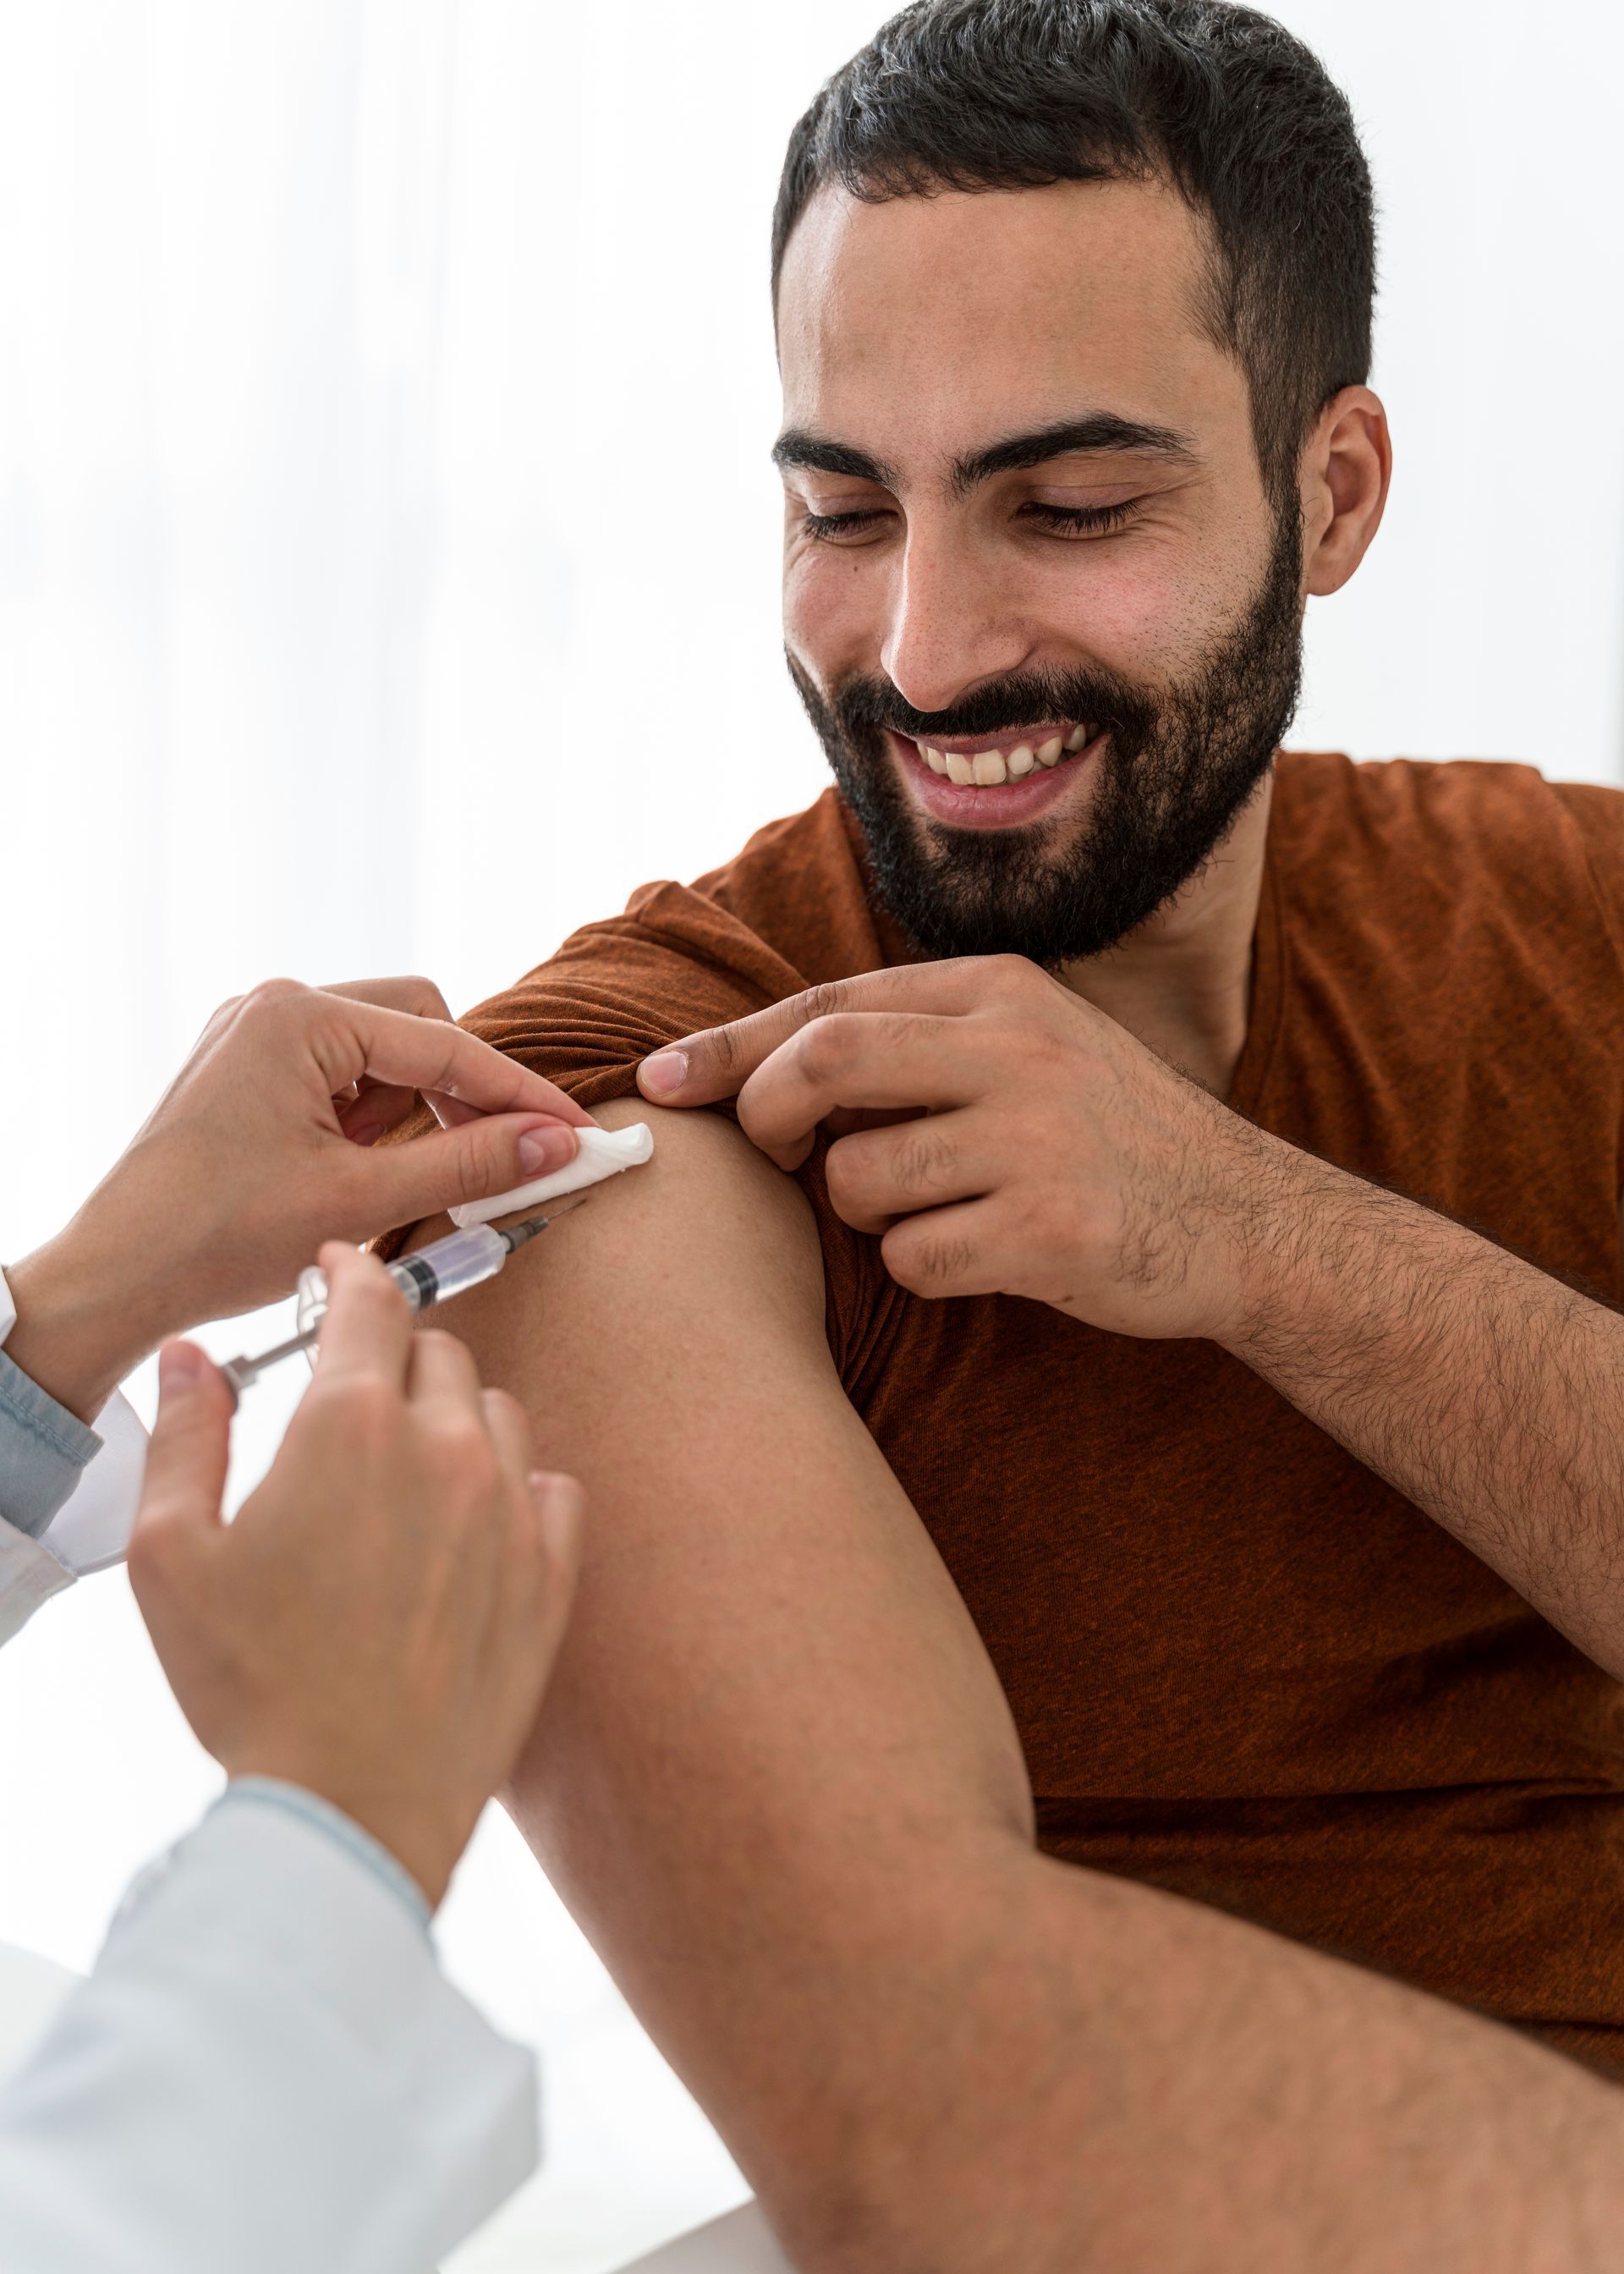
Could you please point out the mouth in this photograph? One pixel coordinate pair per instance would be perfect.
(973, 783)
(988, 766)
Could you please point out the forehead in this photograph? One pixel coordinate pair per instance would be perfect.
(915, 326)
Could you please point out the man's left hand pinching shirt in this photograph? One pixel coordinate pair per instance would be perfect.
(1034, 1148)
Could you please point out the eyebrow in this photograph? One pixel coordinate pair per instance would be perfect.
(1102, 433)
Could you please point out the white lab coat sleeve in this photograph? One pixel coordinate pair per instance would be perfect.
(29, 1576)
(267, 2072)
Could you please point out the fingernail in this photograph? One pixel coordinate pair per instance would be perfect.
(180, 1366)
(544, 1149)
(665, 1071)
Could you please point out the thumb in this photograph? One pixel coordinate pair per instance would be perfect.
(472, 1162)
(187, 1461)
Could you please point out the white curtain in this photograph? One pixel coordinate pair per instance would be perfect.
(387, 582)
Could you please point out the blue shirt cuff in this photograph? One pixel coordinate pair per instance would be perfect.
(44, 1450)
(310, 1808)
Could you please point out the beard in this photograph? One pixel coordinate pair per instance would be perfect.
(1181, 764)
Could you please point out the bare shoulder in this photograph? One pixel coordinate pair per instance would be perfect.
(683, 1264)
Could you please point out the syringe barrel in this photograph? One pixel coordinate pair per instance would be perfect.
(445, 1267)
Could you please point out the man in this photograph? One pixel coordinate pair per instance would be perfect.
(266, 2068)
(1153, 1667)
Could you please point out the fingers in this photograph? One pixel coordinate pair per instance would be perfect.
(509, 1429)
(440, 1371)
(560, 1507)
(187, 1458)
(367, 1333)
(881, 1174)
(397, 1048)
(418, 996)
(852, 1060)
(947, 1250)
(446, 1167)
(718, 1063)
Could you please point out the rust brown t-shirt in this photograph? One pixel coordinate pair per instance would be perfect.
(1242, 1666)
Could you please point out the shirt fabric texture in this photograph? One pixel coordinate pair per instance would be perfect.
(1242, 1666)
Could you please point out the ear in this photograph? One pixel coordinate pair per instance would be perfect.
(1345, 469)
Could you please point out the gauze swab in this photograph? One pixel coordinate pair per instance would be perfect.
(599, 1153)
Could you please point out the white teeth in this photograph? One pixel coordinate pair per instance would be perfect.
(986, 769)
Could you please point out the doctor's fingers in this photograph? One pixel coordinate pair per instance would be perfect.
(865, 1059)
(365, 1335)
(413, 993)
(531, 1605)
(184, 1481)
(381, 1186)
(358, 1040)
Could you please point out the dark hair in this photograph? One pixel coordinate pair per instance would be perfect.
(1217, 99)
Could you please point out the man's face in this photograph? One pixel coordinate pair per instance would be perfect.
(1040, 609)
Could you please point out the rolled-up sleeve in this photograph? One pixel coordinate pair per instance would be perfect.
(44, 1451)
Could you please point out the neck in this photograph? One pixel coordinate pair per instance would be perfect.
(1182, 982)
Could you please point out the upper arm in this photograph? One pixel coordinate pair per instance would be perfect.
(773, 1727)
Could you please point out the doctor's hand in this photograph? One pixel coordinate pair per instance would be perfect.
(262, 1149)
(1031, 1145)
(379, 1623)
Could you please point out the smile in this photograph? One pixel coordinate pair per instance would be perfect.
(987, 767)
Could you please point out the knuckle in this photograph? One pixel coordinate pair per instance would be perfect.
(504, 1407)
(824, 1047)
(364, 1410)
(924, 1163)
(719, 1048)
(459, 1453)
(826, 1000)
(272, 997)
(480, 1166)
(930, 1263)
(1010, 976)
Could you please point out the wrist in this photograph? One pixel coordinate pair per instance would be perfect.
(422, 1840)
(78, 1332)
(1256, 1239)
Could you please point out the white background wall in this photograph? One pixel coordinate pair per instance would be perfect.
(387, 582)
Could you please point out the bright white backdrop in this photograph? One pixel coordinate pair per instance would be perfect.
(388, 559)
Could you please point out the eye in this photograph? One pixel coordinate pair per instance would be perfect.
(832, 528)
(1082, 520)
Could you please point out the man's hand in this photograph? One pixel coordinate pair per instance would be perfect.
(379, 1623)
(1050, 1155)
(261, 1150)
(1047, 1152)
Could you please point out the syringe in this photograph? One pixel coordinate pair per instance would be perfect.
(445, 1267)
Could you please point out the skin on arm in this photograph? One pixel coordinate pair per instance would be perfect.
(776, 1781)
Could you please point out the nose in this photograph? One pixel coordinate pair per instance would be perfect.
(953, 625)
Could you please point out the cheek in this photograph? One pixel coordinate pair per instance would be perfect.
(1147, 609)
(834, 605)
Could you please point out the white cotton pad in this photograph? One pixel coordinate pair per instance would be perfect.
(600, 1153)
